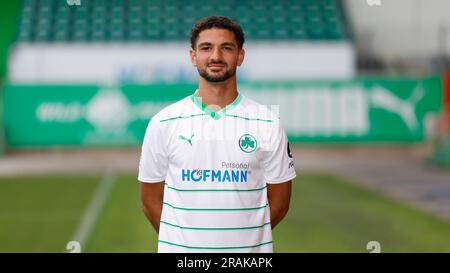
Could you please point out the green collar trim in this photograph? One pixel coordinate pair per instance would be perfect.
(215, 115)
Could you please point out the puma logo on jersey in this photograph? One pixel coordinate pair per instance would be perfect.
(189, 140)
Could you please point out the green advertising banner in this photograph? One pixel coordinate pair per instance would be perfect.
(381, 110)
(323, 111)
(48, 115)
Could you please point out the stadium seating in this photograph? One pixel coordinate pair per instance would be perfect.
(171, 20)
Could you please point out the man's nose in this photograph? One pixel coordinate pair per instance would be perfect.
(216, 55)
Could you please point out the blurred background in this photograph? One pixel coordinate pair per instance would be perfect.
(363, 89)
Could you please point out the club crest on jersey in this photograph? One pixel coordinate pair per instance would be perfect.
(248, 143)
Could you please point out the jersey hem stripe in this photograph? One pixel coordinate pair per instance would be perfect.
(209, 209)
(209, 190)
(201, 228)
(217, 248)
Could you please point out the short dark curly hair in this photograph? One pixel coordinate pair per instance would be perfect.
(220, 22)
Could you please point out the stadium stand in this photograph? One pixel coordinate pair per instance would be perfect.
(162, 20)
(113, 38)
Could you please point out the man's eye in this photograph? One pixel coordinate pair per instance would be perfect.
(227, 48)
(205, 48)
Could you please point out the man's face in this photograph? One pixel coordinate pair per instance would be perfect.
(217, 55)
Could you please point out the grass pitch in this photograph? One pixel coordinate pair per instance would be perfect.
(327, 214)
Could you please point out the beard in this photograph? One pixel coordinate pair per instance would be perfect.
(216, 78)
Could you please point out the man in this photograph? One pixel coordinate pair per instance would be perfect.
(215, 167)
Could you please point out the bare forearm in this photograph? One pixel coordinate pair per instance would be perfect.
(152, 202)
(153, 214)
(276, 215)
(279, 196)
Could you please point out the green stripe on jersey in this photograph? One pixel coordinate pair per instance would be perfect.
(181, 117)
(203, 209)
(200, 228)
(217, 248)
(256, 119)
(209, 190)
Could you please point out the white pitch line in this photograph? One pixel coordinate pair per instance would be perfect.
(92, 212)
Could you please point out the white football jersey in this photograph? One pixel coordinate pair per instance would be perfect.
(216, 167)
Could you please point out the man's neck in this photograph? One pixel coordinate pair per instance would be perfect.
(217, 95)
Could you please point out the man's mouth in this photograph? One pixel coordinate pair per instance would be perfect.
(216, 65)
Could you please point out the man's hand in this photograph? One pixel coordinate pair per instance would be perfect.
(152, 202)
(279, 196)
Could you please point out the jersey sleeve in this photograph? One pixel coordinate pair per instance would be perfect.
(278, 162)
(154, 159)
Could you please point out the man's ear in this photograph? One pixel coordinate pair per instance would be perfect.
(193, 56)
(241, 57)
